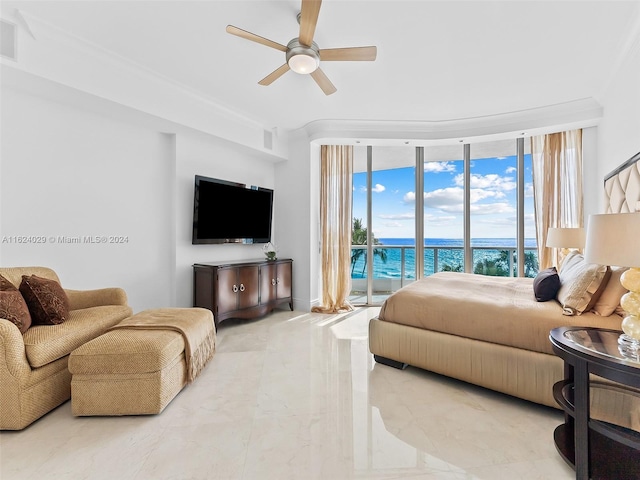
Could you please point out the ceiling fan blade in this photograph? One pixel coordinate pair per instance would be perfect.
(276, 74)
(351, 53)
(255, 38)
(323, 82)
(308, 20)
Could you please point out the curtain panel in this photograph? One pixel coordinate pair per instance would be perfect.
(336, 182)
(557, 188)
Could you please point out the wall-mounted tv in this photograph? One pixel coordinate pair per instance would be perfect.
(229, 212)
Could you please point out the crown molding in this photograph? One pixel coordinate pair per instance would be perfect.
(44, 29)
(579, 113)
(23, 21)
(59, 56)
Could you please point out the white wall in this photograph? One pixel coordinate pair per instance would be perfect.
(619, 131)
(106, 170)
(72, 173)
(592, 182)
(297, 216)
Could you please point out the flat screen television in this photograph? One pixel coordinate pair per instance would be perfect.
(229, 212)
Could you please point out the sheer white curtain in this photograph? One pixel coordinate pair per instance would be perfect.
(557, 188)
(336, 181)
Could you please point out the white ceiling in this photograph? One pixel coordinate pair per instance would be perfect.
(437, 60)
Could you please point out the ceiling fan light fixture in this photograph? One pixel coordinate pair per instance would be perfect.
(302, 59)
(303, 63)
(302, 53)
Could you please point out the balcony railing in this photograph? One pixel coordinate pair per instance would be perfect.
(399, 267)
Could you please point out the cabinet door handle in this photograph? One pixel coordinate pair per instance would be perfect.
(235, 289)
(278, 281)
(273, 281)
(242, 287)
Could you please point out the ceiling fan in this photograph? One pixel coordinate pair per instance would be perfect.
(302, 54)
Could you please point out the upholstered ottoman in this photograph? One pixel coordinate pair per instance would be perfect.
(141, 364)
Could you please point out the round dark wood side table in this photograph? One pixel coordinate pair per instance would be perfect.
(596, 449)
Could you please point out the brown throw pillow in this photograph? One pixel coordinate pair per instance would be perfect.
(546, 284)
(13, 306)
(47, 301)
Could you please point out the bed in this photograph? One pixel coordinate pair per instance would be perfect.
(491, 331)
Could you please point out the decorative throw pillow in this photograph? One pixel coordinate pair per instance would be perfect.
(47, 301)
(13, 306)
(581, 283)
(609, 300)
(546, 284)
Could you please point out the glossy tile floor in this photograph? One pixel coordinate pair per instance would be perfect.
(298, 396)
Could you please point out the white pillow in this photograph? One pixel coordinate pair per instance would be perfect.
(581, 283)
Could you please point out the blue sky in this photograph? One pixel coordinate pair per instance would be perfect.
(493, 199)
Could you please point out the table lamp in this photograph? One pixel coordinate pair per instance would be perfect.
(614, 239)
(565, 239)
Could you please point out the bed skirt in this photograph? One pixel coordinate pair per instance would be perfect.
(514, 371)
(521, 373)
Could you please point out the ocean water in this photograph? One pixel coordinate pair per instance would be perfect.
(438, 253)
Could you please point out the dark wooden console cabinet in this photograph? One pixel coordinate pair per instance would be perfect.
(246, 289)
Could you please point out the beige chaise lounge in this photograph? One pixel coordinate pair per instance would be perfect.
(33, 366)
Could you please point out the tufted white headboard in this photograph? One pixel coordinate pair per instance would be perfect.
(622, 187)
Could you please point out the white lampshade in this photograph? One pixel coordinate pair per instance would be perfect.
(614, 239)
(565, 237)
(302, 63)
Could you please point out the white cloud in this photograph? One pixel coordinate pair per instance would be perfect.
(438, 167)
(398, 216)
(511, 170)
(491, 208)
(447, 199)
(409, 197)
(450, 199)
(491, 181)
(478, 194)
(528, 189)
(377, 188)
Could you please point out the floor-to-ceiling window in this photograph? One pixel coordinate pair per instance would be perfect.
(384, 218)
(493, 207)
(443, 234)
(474, 214)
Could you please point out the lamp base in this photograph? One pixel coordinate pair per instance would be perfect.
(629, 347)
